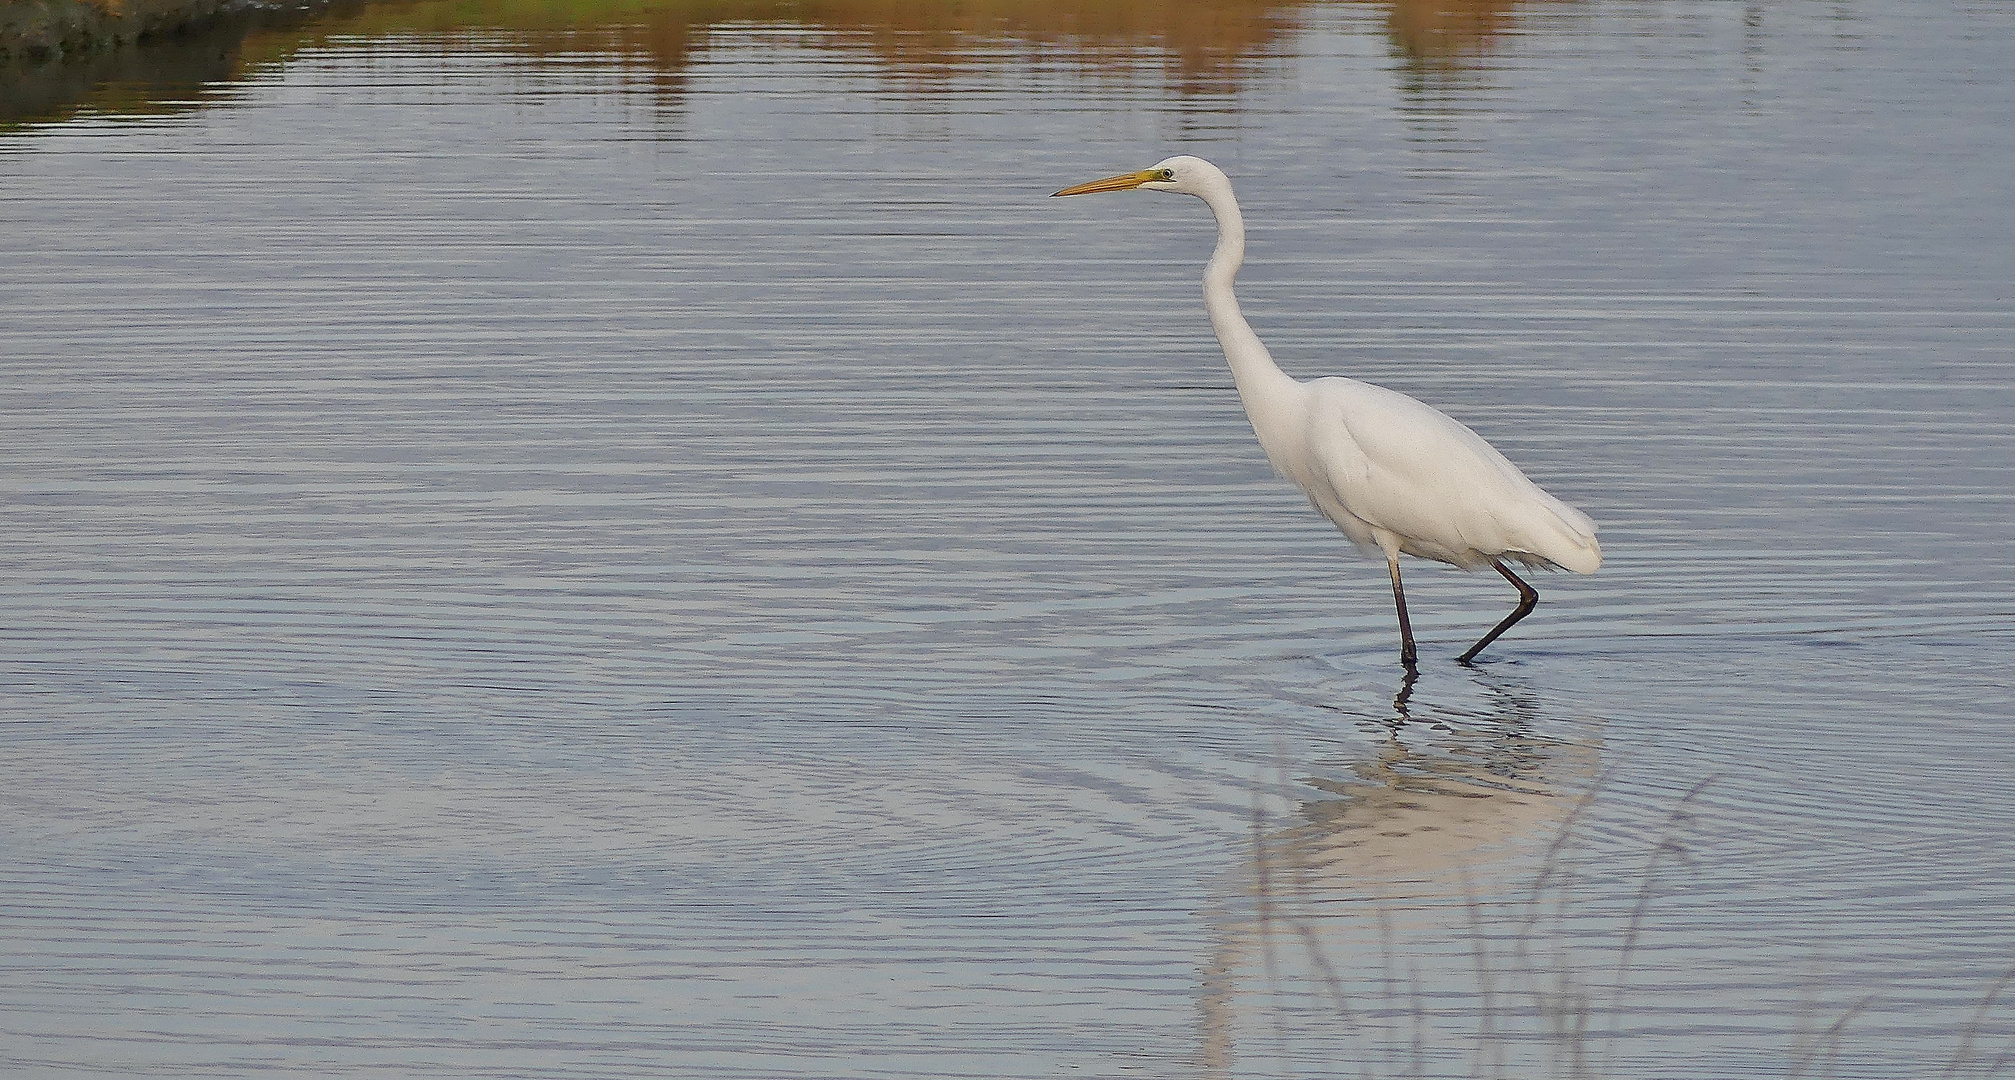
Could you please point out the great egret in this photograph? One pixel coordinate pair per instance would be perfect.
(1398, 477)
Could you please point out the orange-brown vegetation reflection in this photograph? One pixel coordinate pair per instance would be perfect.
(1205, 44)
(1208, 47)
(1209, 42)
(1449, 32)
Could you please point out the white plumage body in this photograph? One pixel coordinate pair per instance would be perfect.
(1401, 477)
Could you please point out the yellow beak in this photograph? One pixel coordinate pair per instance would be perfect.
(1123, 182)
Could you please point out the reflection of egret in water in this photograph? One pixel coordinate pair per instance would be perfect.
(1445, 791)
(1452, 805)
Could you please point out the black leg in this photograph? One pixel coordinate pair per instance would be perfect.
(1528, 598)
(1406, 654)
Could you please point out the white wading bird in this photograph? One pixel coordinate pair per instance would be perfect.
(1395, 475)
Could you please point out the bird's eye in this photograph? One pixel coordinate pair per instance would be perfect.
(1168, 174)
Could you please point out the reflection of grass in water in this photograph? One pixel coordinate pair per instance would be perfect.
(1534, 1015)
(1213, 39)
(1204, 47)
(1207, 47)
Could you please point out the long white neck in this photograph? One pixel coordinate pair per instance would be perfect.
(1262, 386)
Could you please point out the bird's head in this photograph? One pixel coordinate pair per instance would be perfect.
(1183, 175)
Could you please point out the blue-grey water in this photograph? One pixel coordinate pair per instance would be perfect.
(654, 549)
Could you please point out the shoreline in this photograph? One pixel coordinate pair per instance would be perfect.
(43, 31)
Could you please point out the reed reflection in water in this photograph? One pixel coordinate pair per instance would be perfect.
(1206, 49)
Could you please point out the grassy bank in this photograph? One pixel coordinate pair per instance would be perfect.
(38, 30)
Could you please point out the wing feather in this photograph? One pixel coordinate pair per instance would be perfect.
(1410, 470)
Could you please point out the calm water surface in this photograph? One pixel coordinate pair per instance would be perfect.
(539, 545)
